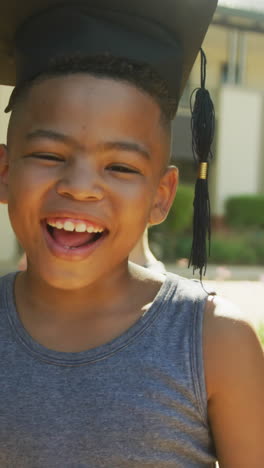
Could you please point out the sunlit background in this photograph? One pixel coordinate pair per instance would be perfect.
(246, 4)
(234, 47)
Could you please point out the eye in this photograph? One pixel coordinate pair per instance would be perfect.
(45, 156)
(123, 169)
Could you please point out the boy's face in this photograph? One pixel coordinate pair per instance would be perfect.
(86, 154)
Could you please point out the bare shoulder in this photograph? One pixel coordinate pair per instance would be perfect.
(234, 371)
(229, 339)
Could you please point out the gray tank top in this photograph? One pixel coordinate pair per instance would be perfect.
(138, 401)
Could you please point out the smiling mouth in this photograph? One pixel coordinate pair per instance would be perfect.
(69, 238)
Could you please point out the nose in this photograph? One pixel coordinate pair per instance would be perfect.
(81, 181)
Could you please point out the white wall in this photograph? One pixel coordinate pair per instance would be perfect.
(7, 237)
(239, 145)
(4, 118)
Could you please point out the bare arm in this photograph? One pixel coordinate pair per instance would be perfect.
(234, 368)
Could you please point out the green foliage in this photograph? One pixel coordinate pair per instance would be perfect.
(243, 245)
(245, 211)
(164, 237)
(234, 250)
(181, 214)
(230, 248)
(261, 333)
(256, 240)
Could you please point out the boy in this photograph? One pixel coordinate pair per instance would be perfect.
(103, 363)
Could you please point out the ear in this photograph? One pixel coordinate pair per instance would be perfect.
(165, 195)
(4, 166)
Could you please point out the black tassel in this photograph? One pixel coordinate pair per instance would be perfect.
(203, 126)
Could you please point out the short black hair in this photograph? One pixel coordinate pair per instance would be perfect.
(140, 75)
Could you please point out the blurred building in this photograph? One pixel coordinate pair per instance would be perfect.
(8, 244)
(235, 77)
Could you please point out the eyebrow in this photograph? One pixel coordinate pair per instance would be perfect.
(51, 135)
(130, 146)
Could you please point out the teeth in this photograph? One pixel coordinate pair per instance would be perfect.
(50, 223)
(69, 226)
(79, 227)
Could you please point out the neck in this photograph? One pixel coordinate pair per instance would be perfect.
(37, 295)
(141, 253)
(74, 321)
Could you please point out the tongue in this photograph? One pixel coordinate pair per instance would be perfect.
(72, 239)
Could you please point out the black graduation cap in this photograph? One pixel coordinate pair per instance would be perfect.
(166, 34)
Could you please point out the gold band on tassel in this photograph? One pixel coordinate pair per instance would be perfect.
(203, 171)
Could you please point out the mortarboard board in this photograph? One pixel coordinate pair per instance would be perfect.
(167, 35)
